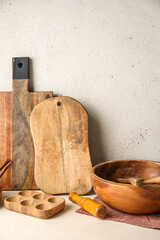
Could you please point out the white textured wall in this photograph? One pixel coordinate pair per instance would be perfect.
(104, 53)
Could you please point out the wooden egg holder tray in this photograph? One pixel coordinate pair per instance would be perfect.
(36, 204)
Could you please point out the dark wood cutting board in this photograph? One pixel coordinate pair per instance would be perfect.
(15, 135)
(59, 128)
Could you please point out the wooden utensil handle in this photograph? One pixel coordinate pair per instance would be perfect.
(137, 182)
(94, 208)
(5, 166)
(152, 180)
(123, 180)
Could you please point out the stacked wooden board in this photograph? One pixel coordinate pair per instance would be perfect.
(15, 135)
(59, 127)
(59, 161)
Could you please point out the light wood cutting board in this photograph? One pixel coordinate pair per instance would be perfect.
(15, 136)
(59, 128)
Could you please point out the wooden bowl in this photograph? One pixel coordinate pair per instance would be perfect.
(126, 197)
(0, 193)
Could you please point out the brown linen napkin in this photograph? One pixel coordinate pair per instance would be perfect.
(148, 220)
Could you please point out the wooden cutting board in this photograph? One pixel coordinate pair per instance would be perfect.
(15, 136)
(59, 128)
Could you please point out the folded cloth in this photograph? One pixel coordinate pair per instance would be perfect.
(147, 220)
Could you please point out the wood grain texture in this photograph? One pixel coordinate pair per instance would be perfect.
(60, 133)
(15, 136)
(0, 193)
(89, 205)
(23, 103)
(139, 182)
(126, 197)
(5, 137)
(35, 204)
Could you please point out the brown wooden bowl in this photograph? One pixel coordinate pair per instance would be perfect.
(0, 193)
(126, 197)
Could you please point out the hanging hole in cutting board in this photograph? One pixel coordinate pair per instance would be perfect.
(20, 65)
(58, 104)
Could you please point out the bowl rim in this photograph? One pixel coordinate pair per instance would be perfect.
(93, 175)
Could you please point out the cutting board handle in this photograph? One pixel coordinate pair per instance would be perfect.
(22, 103)
(20, 68)
(20, 74)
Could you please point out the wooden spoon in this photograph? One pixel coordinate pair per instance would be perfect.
(139, 182)
(152, 180)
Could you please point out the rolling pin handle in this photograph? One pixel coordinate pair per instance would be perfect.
(94, 208)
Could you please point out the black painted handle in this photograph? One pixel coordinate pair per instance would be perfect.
(20, 68)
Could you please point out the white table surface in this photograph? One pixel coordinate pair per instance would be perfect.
(67, 225)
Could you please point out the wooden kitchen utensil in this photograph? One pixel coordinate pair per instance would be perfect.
(15, 136)
(35, 204)
(139, 182)
(125, 197)
(3, 169)
(92, 207)
(59, 128)
(152, 180)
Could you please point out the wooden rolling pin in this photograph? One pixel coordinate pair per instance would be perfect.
(139, 182)
(90, 206)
